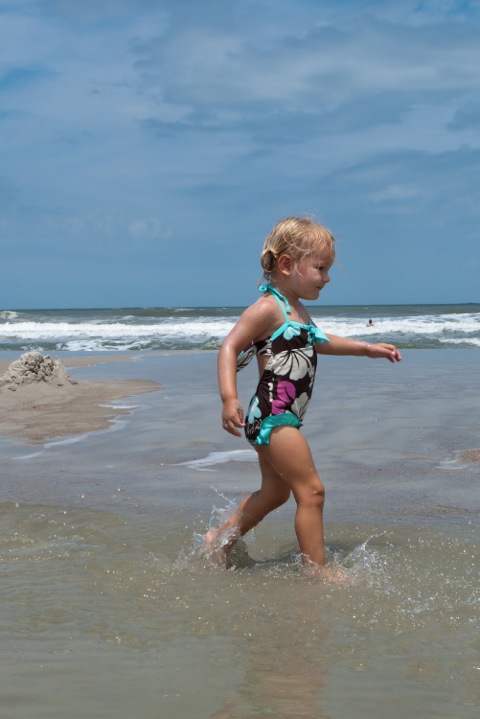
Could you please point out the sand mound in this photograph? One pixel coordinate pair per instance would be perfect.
(46, 404)
(34, 367)
(471, 456)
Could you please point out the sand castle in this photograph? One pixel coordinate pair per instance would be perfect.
(34, 367)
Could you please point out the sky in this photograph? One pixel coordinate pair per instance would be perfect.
(147, 147)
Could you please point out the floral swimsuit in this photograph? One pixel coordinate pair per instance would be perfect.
(286, 384)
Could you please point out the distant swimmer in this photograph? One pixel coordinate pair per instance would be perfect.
(370, 323)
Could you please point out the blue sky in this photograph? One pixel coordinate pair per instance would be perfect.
(147, 147)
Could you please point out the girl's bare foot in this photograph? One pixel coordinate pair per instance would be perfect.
(225, 549)
(328, 573)
(214, 549)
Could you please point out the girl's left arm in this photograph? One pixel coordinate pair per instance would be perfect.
(341, 346)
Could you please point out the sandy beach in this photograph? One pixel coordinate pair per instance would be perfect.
(108, 609)
(41, 411)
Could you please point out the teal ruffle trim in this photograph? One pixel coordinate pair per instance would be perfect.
(276, 420)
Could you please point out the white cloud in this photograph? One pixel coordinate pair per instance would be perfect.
(395, 193)
(150, 227)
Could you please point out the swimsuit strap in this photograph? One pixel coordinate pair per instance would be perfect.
(279, 297)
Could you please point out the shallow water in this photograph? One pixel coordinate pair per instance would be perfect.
(102, 614)
(107, 610)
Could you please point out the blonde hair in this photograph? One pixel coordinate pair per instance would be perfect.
(297, 237)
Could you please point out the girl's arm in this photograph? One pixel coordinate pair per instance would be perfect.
(256, 322)
(357, 348)
(232, 411)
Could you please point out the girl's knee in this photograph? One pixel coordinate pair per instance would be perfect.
(318, 497)
(312, 495)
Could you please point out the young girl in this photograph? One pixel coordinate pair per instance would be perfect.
(296, 258)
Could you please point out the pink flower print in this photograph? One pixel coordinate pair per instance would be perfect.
(285, 395)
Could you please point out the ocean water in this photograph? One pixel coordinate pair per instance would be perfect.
(108, 610)
(409, 326)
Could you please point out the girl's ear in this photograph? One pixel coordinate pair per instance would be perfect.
(285, 264)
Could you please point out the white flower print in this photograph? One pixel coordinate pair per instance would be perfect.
(299, 407)
(294, 363)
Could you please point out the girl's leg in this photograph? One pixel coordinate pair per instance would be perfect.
(289, 456)
(272, 494)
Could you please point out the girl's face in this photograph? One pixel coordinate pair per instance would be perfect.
(310, 275)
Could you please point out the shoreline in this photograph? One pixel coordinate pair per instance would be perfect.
(40, 412)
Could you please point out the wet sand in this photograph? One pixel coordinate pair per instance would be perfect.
(40, 411)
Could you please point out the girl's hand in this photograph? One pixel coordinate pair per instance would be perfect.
(232, 417)
(381, 350)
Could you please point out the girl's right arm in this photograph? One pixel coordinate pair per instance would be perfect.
(254, 323)
(232, 411)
